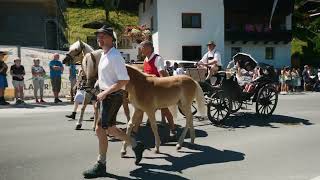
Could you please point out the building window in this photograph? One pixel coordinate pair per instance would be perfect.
(191, 20)
(235, 50)
(191, 53)
(270, 53)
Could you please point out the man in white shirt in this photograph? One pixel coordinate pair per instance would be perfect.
(211, 60)
(112, 77)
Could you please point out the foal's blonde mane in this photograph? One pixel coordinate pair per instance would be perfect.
(138, 72)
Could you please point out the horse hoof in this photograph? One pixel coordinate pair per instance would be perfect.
(156, 151)
(123, 154)
(78, 127)
(178, 146)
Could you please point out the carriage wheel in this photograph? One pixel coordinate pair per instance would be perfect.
(236, 105)
(218, 107)
(194, 109)
(267, 100)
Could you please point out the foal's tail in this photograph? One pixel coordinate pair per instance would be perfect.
(202, 108)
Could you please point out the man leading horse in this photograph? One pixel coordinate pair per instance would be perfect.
(112, 77)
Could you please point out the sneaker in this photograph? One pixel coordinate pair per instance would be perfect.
(18, 101)
(3, 103)
(98, 170)
(57, 100)
(173, 133)
(37, 101)
(42, 101)
(72, 115)
(78, 127)
(138, 151)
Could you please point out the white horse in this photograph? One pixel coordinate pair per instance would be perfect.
(76, 54)
(80, 53)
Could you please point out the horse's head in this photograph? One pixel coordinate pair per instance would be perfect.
(76, 53)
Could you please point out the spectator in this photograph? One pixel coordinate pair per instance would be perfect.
(56, 70)
(179, 70)
(38, 74)
(3, 78)
(73, 79)
(169, 68)
(17, 72)
(287, 79)
(295, 79)
(306, 77)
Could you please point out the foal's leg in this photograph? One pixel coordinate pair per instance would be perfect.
(186, 109)
(135, 121)
(154, 127)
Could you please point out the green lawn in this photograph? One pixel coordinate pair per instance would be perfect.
(76, 17)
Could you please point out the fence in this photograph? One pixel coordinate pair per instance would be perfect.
(27, 55)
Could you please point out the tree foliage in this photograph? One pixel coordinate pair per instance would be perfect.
(306, 26)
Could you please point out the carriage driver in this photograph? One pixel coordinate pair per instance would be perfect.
(212, 59)
(154, 65)
(112, 77)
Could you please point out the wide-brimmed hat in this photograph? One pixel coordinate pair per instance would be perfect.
(105, 29)
(211, 43)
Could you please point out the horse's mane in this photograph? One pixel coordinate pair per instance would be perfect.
(137, 72)
(76, 45)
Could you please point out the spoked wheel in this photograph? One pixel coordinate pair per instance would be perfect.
(267, 100)
(236, 105)
(218, 107)
(194, 109)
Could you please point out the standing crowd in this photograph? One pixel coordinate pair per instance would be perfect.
(293, 80)
(18, 72)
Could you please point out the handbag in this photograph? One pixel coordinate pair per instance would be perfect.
(79, 97)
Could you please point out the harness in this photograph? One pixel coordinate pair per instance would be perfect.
(76, 55)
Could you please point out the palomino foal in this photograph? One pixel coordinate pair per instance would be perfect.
(148, 93)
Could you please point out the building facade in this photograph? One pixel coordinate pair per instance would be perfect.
(181, 29)
(33, 23)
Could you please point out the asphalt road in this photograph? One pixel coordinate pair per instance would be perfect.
(38, 143)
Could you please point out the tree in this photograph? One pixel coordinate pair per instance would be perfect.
(110, 5)
(306, 25)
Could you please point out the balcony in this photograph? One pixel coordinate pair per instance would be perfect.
(272, 36)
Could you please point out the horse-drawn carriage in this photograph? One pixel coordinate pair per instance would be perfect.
(228, 96)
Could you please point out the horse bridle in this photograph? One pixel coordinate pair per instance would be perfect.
(80, 52)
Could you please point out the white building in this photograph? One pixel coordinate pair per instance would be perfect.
(181, 28)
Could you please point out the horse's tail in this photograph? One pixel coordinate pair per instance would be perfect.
(202, 108)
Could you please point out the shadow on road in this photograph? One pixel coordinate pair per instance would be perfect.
(201, 155)
(145, 135)
(34, 105)
(244, 120)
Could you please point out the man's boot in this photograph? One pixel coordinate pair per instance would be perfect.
(72, 116)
